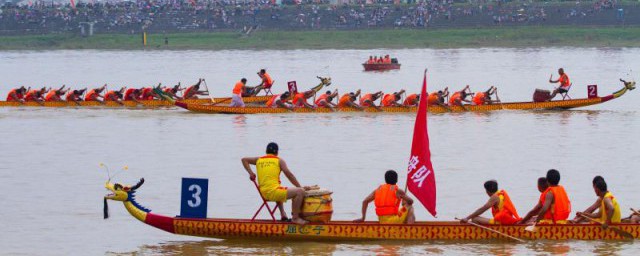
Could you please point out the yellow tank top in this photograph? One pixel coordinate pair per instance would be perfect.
(616, 209)
(268, 169)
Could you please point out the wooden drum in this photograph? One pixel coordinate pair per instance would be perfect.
(317, 206)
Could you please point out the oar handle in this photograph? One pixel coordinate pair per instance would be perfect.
(494, 231)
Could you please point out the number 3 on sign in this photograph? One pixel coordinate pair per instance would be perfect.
(195, 195)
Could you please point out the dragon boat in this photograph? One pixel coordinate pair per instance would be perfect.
(128, 103)
(222, 228)
(593, 99)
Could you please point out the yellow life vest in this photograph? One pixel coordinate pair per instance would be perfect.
(268, 169)
(616, 209)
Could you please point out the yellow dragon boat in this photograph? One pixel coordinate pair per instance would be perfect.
(127, 103)
(556, 104)
(351, 231)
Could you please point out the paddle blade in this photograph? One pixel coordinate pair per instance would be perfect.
(531, 228)
(623, 233)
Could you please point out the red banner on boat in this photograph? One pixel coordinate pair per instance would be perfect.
(421, 179)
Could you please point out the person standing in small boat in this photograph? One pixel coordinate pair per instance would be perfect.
(387, 198)
(564, 82)
(193, 91)
(542, 187)
(556, 206)
(609, 209)
(236, 94)
(502, 209)
(392, 99)
(269, 168)
(17, 94)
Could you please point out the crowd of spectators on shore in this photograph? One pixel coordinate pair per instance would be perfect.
(35, 16)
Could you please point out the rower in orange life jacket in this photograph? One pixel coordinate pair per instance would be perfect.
(115, 96)
(391, 99)
(349, 100)
(75, 95)
(172, 92)
(131, 94)
(94, 94)
(502, 209)
(325, 100)
(35, 95)
(55, 94)
(557, 206)
(300, 99)
(280, 101)
(411, 100)
(146, 93)
(482, 98)
(368, 100)
(387, 198)
(17, 94)
(193, 91)
(542, 187)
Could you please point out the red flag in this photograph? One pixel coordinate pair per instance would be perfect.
(421, 179)
(73, 4)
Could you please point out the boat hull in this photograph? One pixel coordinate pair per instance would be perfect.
(345, 231)
(560, 104)
(128, 103)
(381, 66)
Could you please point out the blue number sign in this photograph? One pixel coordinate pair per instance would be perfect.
(194, 198)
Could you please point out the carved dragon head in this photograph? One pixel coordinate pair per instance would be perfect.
(119, 192)
(629, 85)
(326, 81)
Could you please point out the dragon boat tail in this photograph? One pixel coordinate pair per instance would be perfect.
(350, 231)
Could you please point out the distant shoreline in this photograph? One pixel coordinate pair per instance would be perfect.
(501, 37)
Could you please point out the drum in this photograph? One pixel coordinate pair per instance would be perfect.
(316, 206)
(541, 95)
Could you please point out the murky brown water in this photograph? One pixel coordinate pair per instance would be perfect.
(52, 186)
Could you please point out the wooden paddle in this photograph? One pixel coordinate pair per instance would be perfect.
(617, 230)
(531, 228)
(495, 231)
(635, 212)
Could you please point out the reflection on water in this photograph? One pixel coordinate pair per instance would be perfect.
(52, 186)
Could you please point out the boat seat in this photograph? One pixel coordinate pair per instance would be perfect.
(565, 95)
(264, 204)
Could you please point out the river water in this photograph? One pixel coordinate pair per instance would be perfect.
(53, 186)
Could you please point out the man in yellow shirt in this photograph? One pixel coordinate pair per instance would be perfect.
(609, 211)
(268, 170)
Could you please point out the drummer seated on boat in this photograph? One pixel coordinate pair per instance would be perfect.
(608, 209)
(556, 206)
(193, 91)
(265, 83)
(349, 100)
(17, 94)
(412, 100)
(502, 209)
(95, 94)
(482, 98)
(542, 187)
(56, 94)
(172, 92)
(391, 99)
(369, 99)
(300, 99)
(75, 95)
(460, 97)
(280, 101)
(236, 93)
(325, 100)
(563, 80)
(268, 170)
(387, 198)
(115, 96)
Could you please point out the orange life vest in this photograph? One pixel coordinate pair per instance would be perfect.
(411, 100)
(111, 96)
(386, 200)
(14, 95)
(71, 96)
(388, 100)
(272, 101)
(128, 94)
(561, 207)
(51, 94)
(456, 96)
(365, 98)
(344, 100)
(478, 99)
(433, 99)
(237, 89)
(267, 80)
(505, 212)
(146, 94)
(321, 98)
(32, 95)
(299, 100)
(564, 81)
(92, 95)
(188, 92)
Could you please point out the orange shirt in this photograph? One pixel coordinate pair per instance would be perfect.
(237, 89)
(271, 101)
(564, 81)
(456, 96)
(14, 95)
(92, 95)
(52, 95)
(32, 95)
(388, 100)
(433, 99)
(411, 100)
(267, 80)
(344, 100)
(366, 97)
(561, 207)
(478, 98)
(129, 94)
(72, 96)
(111, 96)
(321, 98)
(299, 100)
(146, 94)
(386, 200)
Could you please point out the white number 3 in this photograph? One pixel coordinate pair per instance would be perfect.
(196, 196)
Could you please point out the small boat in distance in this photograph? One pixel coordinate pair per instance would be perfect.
(381, 63)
